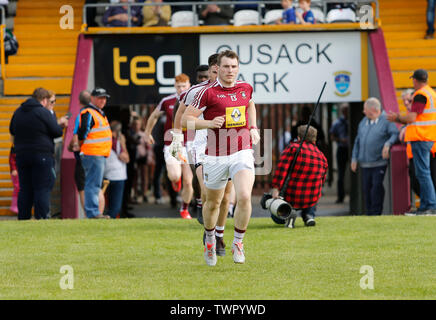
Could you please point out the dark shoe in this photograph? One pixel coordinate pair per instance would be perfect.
(429, 36)
(220, 247)
(200, 215)
(102, 216)
(309, 220)
(339, 201)
(127, 215)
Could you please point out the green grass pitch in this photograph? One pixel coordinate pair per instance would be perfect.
(163, 259)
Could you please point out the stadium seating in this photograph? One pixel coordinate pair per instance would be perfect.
(183, 19)
(341, 15)
(272, 16)
(246, 17)
(45, 58)
(404, 29)
(319, 15)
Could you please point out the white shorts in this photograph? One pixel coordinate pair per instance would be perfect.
(217, 170)
(169, 159)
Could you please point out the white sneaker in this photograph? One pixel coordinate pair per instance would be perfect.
(210, 254)
(238, 252)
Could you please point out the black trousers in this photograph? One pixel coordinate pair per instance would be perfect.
(373, 189)
(37, 176)
(342, 159)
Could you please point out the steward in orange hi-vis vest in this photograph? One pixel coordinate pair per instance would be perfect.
(424, 127)
(98, 142)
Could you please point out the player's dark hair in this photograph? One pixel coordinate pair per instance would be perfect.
(213, 59)
(201, 68)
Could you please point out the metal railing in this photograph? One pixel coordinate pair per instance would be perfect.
(261, 6)
(2, 43)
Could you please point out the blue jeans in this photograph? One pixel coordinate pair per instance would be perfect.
(94, 170)
(421, 161)
(115, 197)
(430, 16)
(373, 190)
(37, 176)
(307, 213)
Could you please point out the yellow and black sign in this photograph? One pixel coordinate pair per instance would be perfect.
(235, 117)
(140, 68)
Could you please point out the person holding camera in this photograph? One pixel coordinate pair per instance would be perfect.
(307, 177)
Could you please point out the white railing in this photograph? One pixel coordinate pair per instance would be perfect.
(261, 6)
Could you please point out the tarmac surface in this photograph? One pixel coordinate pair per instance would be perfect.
(326, 207)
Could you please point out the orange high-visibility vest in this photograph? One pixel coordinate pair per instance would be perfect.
(409, 150)
(99, 139)
(424, 127)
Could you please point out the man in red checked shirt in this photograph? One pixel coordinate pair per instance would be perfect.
(229, 114)
(307, 177)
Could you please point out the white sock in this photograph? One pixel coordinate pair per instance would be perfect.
(238, 236)
(210, 235)
(219, 231)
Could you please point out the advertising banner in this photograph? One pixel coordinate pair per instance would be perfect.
(292, 67)
(140, 68)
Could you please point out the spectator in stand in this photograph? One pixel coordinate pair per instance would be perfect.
(303, 13)
(34, 128)
(375, 136)
(181, 7)
(431, 7)
(339, 133)
(116, 170)
(307, 178)
(421, 133)
(244, 6)
(117, 16)
(14, 177)
(91, 13)
(214, 15)
(156, 15)
(288, 15)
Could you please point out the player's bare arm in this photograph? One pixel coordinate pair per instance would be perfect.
(151, 122)
(254, 133)
(191, 116)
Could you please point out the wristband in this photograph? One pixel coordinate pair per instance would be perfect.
(253, 127)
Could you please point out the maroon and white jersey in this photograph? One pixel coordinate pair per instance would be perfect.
(232, 103)
(167, 105)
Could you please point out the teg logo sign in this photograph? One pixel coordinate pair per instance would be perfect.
(146, 70)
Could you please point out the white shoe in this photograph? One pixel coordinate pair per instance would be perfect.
(238, 252)
(210, 254)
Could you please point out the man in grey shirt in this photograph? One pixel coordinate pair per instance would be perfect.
(374, 138)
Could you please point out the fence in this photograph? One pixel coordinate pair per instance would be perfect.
(322, 4)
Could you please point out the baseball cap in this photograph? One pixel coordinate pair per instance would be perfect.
(100, 92)
(420, 75)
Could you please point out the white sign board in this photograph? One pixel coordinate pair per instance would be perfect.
(292, 67)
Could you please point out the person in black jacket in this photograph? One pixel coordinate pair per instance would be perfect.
(34, 128)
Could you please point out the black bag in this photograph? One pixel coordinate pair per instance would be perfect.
(11, 43)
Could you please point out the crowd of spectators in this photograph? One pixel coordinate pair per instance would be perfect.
(209, 13)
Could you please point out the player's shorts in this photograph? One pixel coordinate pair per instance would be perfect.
(199, 147)
(218, 170)
(169, 159)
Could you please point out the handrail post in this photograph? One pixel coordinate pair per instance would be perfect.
(2, 44)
